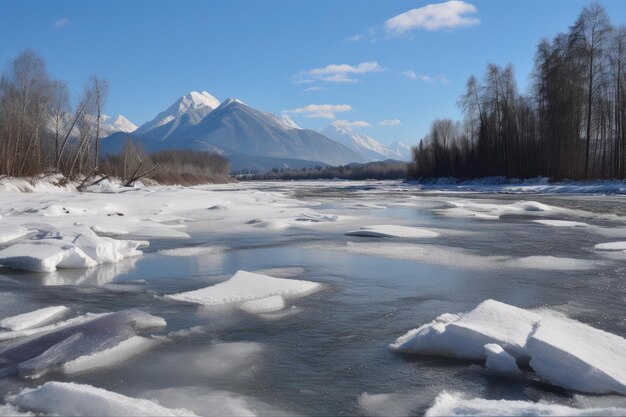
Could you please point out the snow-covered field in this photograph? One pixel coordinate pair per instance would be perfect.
(313, 298)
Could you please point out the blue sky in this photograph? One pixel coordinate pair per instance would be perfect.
(394, 75)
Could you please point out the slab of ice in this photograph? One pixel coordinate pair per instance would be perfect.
(574, 355)
(561, 223)
(34, 318)
(388, 230)
(611, 246)
(499, 360)
(454, 404)
(191, 251)
(554, 263)
(490, 211)
(45, 255)
(112, 356)
(264, 305)
(465, 335)
(100, 249)
(246, 286)
(45, 351)
(70, 399)
(10, 232)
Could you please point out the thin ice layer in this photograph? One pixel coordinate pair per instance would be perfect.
(246, 286)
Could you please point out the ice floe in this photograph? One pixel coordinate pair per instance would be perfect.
(45, 255)
(561, 223)
(562, 351)
(10, 232)
(389, 230)
(77, 247)
(455, 404)
(71, 399)
(245, 287)
(33, 318)
(611, 246)
(192, 251)
(491, 211)
(554, 263)
(82, 343)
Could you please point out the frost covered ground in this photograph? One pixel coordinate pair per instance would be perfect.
(313, 298)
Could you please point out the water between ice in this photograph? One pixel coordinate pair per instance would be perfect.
(322, 353)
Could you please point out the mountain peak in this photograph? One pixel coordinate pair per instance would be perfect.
(193, 104)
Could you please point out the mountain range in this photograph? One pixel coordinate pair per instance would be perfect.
(252, 139)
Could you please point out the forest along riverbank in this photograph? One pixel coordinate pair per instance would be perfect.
(312, 298)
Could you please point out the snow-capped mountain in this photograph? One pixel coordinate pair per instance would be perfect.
(404, 151)
(232, 128)
(187, 111)
(111, 125)
(366, 146)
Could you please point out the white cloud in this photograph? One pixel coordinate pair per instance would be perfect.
(355, 38)
(411, 75)
(315, 88)
(61, 23)
(338, 73)
(390, 122)
(438, 79)
(320, 111)
(449, 15)
(345, 124)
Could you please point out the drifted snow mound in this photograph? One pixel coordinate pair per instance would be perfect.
(70, 399)
(562, 351)
(33, 318)
(79, 344)
(245, 287)
(387, 230)
(454, 404)
(78, 247)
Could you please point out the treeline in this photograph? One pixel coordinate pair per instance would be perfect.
(39, 130)
(170, 167)
(572, 124)
(386, 170)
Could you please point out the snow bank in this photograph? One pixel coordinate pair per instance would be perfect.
(562, 351)
(86, 340)
(576, 356)
(70, 399)
(388, 230)
(246, 286)
(499, 360)
(33, 318)
(465, 335)
(455, 404)
(612, 246)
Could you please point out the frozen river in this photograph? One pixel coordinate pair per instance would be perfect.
(325, 353)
